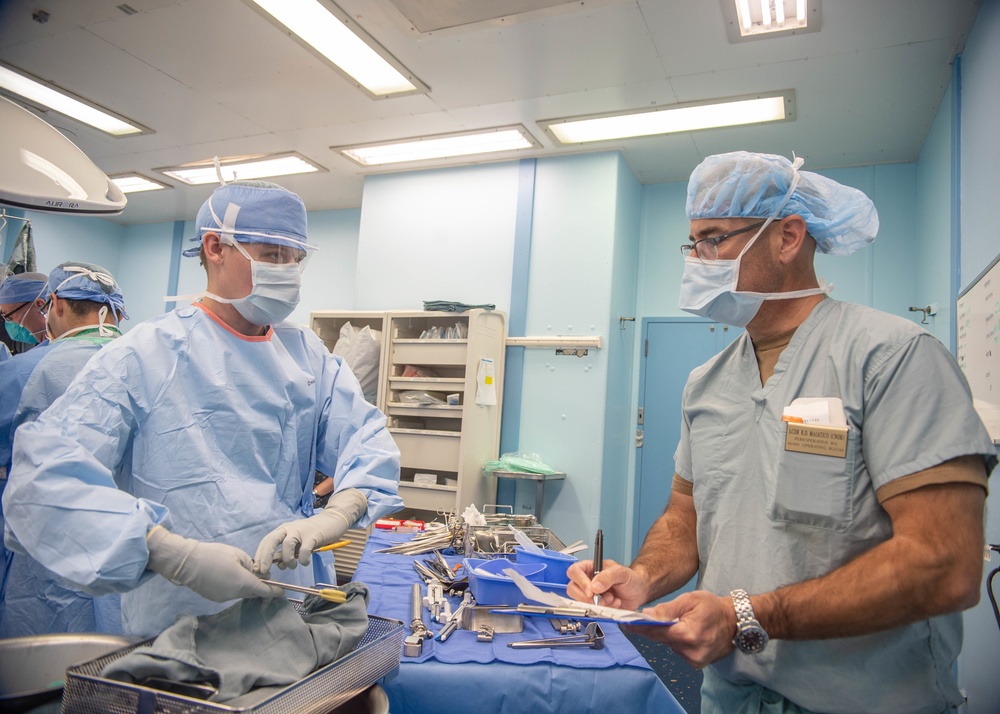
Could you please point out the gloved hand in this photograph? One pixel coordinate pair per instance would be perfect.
(298, 539)
(215, 571)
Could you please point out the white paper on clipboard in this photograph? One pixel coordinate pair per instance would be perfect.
(596, 612)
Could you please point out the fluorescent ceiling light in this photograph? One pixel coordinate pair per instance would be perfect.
(441, 146)
(134, 183)
(326, 29)
(256, 167)
(766, 18)
(41, 93)
(669, 120)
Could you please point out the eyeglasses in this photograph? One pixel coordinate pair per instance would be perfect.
(708, 248)
(9, 316)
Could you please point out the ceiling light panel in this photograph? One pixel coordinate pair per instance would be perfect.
(442, 146)
(45, 95)
(328, 31)
(203, 172)
(735, 111)
(757, 19)
(136, 183)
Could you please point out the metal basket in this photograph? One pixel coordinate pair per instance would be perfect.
(328, 687)
(497, 541)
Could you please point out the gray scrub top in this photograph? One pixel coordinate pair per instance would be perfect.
(768, 517)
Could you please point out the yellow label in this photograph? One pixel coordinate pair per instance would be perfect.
(815, 439)
(488, 380)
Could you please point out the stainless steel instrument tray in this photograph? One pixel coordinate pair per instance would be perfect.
(378, 654)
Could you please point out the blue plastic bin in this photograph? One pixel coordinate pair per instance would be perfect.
(556, 563)
(493, 588)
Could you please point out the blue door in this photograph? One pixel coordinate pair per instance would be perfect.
(672, 348)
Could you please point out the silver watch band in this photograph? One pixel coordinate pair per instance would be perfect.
(744, 610)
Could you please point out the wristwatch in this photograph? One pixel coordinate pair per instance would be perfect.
(750, 636)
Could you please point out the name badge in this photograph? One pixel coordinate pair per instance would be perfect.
(815, 439)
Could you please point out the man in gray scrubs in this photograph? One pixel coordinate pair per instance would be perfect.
(831, 473)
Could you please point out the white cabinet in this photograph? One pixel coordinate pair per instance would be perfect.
(443, 446)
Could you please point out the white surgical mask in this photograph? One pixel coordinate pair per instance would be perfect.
(708, 287)
(275, 291)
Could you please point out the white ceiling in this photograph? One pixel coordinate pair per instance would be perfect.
(214, 77)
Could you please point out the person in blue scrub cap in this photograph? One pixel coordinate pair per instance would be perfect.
(81, 316)
(830, 478)
(193, 441)
(21, 299)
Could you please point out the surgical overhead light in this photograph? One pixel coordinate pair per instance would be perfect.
(42, 170)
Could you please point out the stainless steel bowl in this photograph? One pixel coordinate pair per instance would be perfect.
(32, 668)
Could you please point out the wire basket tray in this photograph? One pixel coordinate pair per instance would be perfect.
(377, 655)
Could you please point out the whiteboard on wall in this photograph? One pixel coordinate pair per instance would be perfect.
(978, 343)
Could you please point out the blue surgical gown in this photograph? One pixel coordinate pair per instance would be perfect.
(14, 373)
(215, 435)
(36, 601)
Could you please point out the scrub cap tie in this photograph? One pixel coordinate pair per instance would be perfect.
(741, 184)
(86, 281)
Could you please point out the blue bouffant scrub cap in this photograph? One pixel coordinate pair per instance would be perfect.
(742, 184)
(253, 212)
(86, 281)
(24, 287)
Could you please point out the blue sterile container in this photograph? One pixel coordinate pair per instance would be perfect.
(491, 587)
(556, 563)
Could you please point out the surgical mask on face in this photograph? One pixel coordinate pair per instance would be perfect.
(275, 291)
(19, 333)
(708, 287)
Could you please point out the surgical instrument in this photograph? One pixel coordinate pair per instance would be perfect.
(455, 620)
(413, 645)
(565, 626)
(476, 617)
(598, 559)
(592, 637)
(333, 546)
(329, 594)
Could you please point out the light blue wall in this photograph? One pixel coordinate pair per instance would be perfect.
(145, 266)
(933, 239)
(979, 664)
(328, 282)
(437, 235)
(620, 421)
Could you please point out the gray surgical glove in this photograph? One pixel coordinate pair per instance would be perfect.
(298, 539)
(215, 571)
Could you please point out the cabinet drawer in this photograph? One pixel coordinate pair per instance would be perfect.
(450, 352)
(436, 452)
(427, 499)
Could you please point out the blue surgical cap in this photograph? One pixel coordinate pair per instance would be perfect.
(24, 287)
(253, 212)
(741, 184)
(86, 281)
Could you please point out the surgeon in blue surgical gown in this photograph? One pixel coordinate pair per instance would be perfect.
(83, 307)
(193, 441)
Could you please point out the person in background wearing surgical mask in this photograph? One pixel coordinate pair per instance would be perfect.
(830, 478)
(193, 441)
(21, 299)
(81, 316)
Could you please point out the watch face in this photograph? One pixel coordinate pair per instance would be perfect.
(752, 639)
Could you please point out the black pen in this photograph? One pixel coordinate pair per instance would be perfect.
(598, 559)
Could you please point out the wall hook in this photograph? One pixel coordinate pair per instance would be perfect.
(929, 310)
(622, 320)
